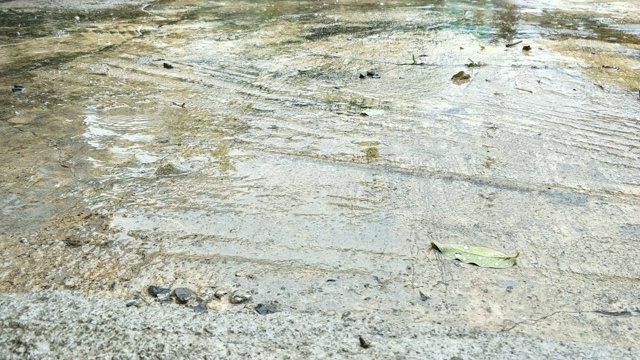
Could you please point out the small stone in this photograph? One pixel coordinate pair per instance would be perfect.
(345, 315)
(364, 343)
(219, 294)
(69, 282)
(200, 307)
(183, 295)
(239, 298)
(167, 66)
(265, 309)
(372, 74)
(423, 297)
(158, 290)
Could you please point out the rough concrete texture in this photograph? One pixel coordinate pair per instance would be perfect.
(71, 325)
(303, 154)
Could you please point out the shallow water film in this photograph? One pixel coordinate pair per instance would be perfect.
(305, 153)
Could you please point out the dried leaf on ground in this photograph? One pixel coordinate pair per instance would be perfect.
(477, 255)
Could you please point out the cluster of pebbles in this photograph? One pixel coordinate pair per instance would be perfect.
(187, 297)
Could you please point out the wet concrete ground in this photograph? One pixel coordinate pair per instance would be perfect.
(257, 159)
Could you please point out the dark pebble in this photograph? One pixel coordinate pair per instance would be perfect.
(372, 74)
(526, 48)
(183, 295)
(265, 309)
(17, 88)
(363, 76)
(201, 307)
(364, 343)
(423, 297)
(167, 66)
(158, 290)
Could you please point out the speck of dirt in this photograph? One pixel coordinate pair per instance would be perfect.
(371, 153)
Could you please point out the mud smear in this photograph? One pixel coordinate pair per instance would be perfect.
(216, 145)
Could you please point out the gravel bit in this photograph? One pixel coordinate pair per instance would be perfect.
(157, 291)
(183, 295)
(239, 298)
(219, 294)
(265, 309)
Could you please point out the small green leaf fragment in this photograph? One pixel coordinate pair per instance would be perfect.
(372, 153)
(477, 255)
(474, 64)
(461, 76)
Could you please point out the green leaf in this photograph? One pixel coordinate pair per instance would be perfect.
(474, 64)
(477, 255)
(461, 77)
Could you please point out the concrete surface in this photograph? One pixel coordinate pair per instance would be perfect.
(71, 325)
(258, 161)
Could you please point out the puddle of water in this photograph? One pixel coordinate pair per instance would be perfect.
(262, 147)
(101, 134)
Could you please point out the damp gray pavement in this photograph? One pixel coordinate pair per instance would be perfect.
(286, 164)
